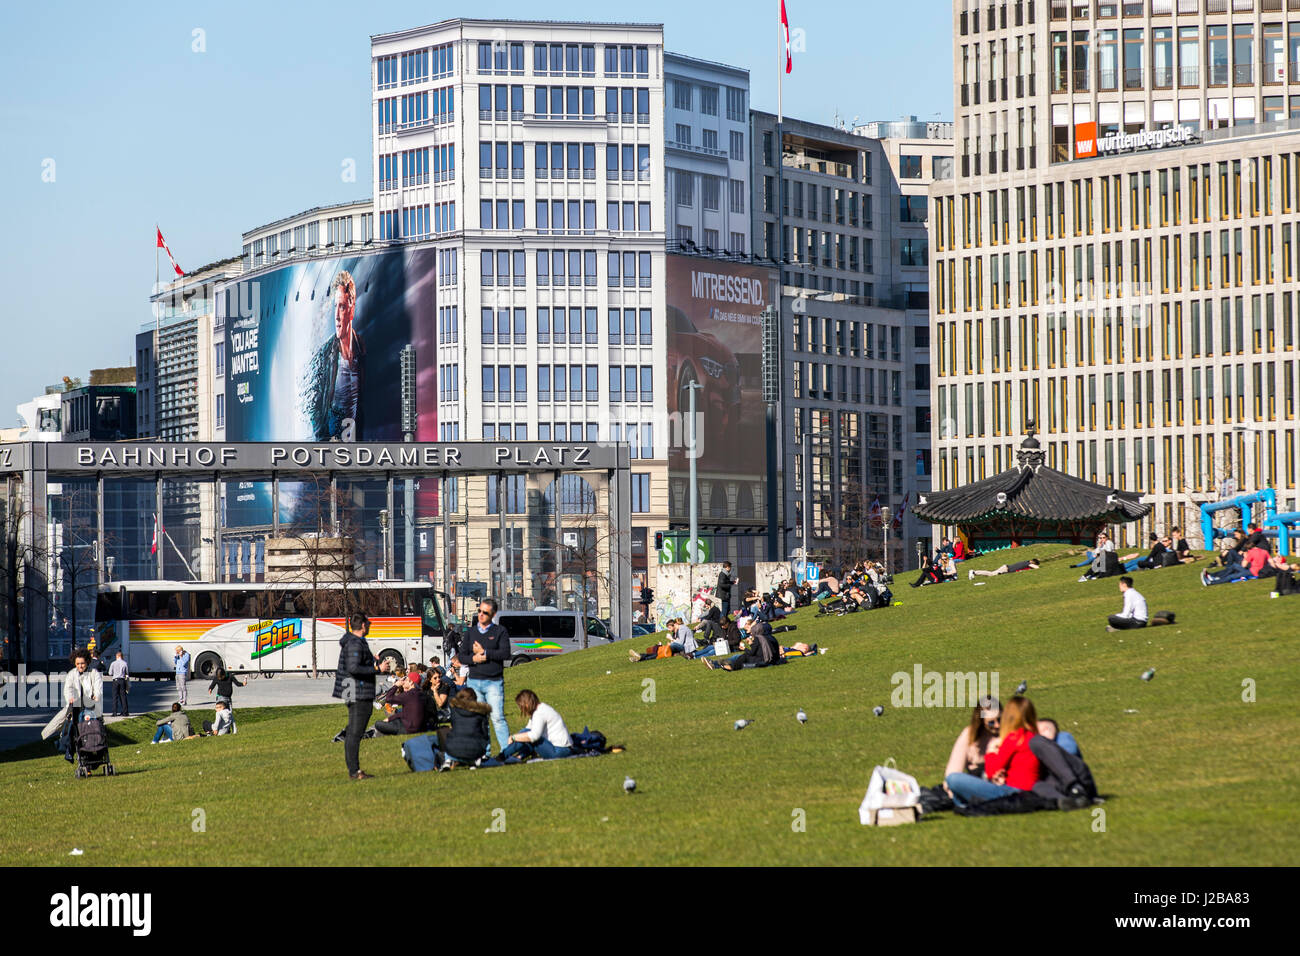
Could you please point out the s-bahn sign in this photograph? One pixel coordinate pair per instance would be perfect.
(413, 457)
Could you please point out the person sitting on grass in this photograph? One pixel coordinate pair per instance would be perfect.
(947, 566)
(1134, 612)
(407, 699)
(1135, 561)
(466, 740)
(222, 723)
(1178, 545)
(1030, 565)
(928, 574)
(1252, 563)
(175, 726)
(545, 736)
(1009, 764)
(677, 643)
(968, 750)
(762, 651)
(1049, 729)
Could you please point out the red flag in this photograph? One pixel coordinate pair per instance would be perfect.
(785, 24)
(153, 546)
(162, 244)
(902, 509)
(874, 514)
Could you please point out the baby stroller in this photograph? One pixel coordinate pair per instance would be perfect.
(90, 744)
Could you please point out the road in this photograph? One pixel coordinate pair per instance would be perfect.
(20, 725)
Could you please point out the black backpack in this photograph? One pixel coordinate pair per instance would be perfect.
(588, 741)
(884, 598)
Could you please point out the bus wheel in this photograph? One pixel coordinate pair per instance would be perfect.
(391, 655)
(519, 659)
(207, 665)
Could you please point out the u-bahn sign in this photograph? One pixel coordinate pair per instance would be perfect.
(413, 457)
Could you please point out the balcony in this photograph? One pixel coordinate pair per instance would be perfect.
(1162, 77)
(1133, 78)
(697, 150)
(1081, 81)
(1218, 74)
(1243, 74)
(1189, 76)
(1107, 79)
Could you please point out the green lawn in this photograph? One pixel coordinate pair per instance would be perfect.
(1194, 775)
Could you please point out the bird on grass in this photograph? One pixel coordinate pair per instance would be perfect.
(1022, 687)
(801, 716)
(629, 785)
(742, 724)
(1149, 673)
(878, 710)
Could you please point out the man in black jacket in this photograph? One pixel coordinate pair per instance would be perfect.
(724, 587)
(486, 647)
(763, 651)
(354, 684)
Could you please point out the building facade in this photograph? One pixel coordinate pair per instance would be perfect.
(1116, 258)
(848, 349)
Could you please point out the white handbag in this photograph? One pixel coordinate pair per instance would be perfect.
(888, 789)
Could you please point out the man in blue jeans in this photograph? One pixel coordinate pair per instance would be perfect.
(485, 646)
(182, 664)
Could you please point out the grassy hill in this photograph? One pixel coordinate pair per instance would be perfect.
(1194, 774)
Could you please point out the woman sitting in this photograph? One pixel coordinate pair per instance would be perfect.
(967, 757)
(761, 652)
(682, 642)
(545, 735)
(466, 740)
(1009, 764)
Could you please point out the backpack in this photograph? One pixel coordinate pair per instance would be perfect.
(885, 598)
(420, 753)
(588, 741)
(1287, 583)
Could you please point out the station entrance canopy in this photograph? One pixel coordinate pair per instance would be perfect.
(534, 523)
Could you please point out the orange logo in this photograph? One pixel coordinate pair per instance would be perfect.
(1085, 140)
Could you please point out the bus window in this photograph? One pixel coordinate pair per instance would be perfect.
(294, 604)
(432, 622)
(139, 605)
(557, 626)
(108, 607)
(166, 604)
(239, 604)
(206, 604)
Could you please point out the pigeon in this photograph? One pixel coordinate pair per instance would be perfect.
(1022, 687)
(629, 785)
(801, 716)
(1149, 673)
(878, 710)
(742, 724)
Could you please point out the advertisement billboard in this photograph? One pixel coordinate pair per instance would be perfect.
(715, 339)
(313, 353)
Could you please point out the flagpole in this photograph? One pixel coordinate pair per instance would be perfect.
(780, 259)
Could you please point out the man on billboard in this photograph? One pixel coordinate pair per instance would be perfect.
(337, 373)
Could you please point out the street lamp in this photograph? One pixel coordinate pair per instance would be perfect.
(383, 543)
(884, 523)
(692, 454)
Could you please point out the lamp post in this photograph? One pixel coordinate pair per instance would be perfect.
(884, 523)
(693, 453)
(383, 543)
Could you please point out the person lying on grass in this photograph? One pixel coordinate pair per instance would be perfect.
(545, 736)
(1030, 565)
(1252, 563)
(758, 650)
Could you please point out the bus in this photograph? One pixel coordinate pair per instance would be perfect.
(265, 628)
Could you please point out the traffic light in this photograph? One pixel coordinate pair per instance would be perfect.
(659, 540)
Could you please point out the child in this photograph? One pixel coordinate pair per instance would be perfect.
(176, 726)
(223, 722)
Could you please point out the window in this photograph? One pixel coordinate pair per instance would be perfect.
(640, 493)
(681, 95)
(909, 167)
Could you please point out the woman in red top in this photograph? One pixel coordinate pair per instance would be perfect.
(1009, 760)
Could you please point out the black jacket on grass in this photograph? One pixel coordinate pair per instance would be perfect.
(354, 679)
(467, 740)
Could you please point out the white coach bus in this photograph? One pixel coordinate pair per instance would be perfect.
(264, 628)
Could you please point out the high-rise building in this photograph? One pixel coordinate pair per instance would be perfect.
(1115, 260)
(849, 348)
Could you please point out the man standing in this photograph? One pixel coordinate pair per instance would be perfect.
(1135, 608)
(487, 646)
(182, 664)
(724, 587)
(121, 686)
(354, 684)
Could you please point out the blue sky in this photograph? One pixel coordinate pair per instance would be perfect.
(141, 128)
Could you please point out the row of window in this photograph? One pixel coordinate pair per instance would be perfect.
(412, 110)
(1259, 255)
(812, 246)
(1229, 188)
(562, 59)
(1170, 334)
(1101, 402)
(414, 222)
(572, 383)
(684, 98)
(410, 167)
(851, 383)
(510, 326)
(448, 324)
(847, 337)
(302, 239)
(414, 66)
(449, 383)
(640, 437)
(557, 267)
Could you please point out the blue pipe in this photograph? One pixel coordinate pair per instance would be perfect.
(1242, 502)
(1282, 521)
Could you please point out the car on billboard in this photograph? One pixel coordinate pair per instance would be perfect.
(695, 356)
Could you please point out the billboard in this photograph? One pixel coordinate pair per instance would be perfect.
(313, 353)
(715, 339)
